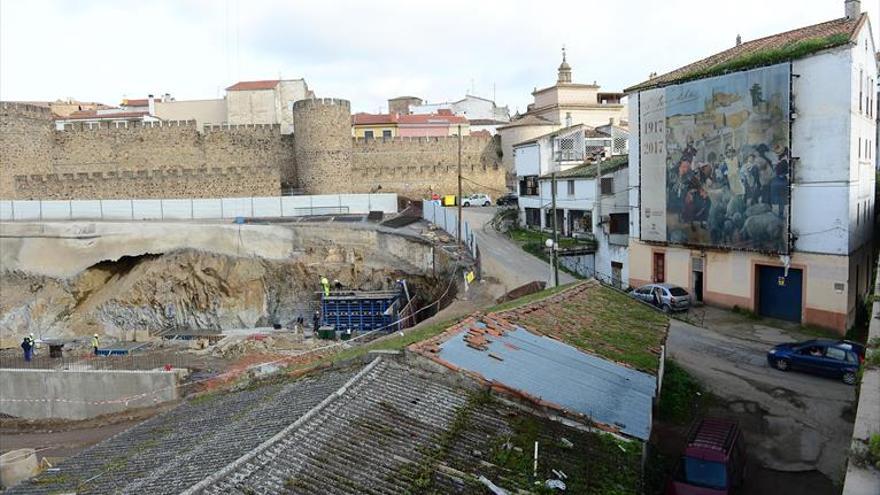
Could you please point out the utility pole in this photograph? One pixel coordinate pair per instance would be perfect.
(459, 184)
(555, 258)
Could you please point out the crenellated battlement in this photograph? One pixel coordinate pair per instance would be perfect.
(107, 125)
(322, 102)
(239, 127)
(184, 159)
(25, 110)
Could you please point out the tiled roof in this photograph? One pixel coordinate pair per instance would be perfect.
(374, 118)
(481, 133)
(427, 119)
(253, 85)
(93, 114)
(399, 429)
(175, 450)
(527, 119)
(141, 102)
(587, 314)
(836, 32)
(389, 428)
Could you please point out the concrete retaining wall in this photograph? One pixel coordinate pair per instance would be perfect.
(42, 394)
(860, 479)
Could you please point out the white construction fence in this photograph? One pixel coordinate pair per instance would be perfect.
(447, 219)
(197, 209)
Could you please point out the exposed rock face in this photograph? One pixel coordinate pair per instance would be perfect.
(178, 291)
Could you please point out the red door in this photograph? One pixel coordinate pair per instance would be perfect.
(659, 267)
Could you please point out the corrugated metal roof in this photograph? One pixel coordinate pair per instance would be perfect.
(561, 374)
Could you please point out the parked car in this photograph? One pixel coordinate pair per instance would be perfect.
(835, 358)
(509, 199)
(477, 200)
(667, 297)
(713, 462)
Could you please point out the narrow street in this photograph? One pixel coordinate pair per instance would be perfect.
(793, 422)
(504, 260)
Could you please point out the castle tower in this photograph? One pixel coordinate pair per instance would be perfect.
(322, 145)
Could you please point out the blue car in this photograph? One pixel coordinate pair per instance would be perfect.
(835, 358)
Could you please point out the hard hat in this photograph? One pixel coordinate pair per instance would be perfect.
(32, 334)
(96, 335)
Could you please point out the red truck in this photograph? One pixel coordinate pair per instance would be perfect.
(713, 463)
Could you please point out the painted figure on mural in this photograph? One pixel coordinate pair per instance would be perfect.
(728, 160)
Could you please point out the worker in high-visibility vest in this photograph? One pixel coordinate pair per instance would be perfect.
(95, 344)
(326, 285)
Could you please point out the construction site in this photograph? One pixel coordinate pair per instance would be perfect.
(270, 355)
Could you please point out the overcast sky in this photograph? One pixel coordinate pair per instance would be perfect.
(104, 50)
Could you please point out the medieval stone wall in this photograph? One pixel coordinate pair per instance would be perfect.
(141, 160)
(176, 160)
(418, 167)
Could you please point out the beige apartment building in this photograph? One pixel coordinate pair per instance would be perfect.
(562, 105)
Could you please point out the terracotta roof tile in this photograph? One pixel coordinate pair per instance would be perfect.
(842, 26)
(374, 118)
(424, 119)
(253, 85)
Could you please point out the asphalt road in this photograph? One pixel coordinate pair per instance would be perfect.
(793, 422)
(502, 259)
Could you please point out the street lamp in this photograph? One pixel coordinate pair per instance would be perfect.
(550, 245)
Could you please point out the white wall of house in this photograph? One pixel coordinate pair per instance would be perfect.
(833, 135)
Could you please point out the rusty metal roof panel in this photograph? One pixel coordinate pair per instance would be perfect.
(558, 373)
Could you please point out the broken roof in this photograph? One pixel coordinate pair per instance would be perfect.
(587, 350)
(790, 45)
(558, 374)
(388, 428)
(601, 321)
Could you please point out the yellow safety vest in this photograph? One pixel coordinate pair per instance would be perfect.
(94, 341)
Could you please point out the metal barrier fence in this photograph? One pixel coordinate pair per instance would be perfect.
(196, 209)
(447, 219)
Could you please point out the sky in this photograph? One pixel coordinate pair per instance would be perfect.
(367, 52)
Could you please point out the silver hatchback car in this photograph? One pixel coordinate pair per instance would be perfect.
(667, 297)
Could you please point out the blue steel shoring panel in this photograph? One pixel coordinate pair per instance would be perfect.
(559, 373)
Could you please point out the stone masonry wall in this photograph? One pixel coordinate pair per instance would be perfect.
(417, 167)
(167, 160)
(322, 130)
(175, 160)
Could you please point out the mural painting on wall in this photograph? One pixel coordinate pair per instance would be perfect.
(724, 146)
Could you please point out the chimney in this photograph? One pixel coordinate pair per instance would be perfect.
(739, 40)
(567, 119)
(853, 8)
(151, 105)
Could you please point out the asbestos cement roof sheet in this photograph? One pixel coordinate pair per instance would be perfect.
(560, 374)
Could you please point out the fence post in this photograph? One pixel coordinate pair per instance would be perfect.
(162, 209)
(252, 207)
(131, 203)
(41, 210)
(70, 209)
(192, 209)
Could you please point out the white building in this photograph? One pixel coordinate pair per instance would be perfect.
(755, 186)
(561, 105)
(585, 208)
(482, 113)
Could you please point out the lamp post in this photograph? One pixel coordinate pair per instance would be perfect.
(551, 247)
